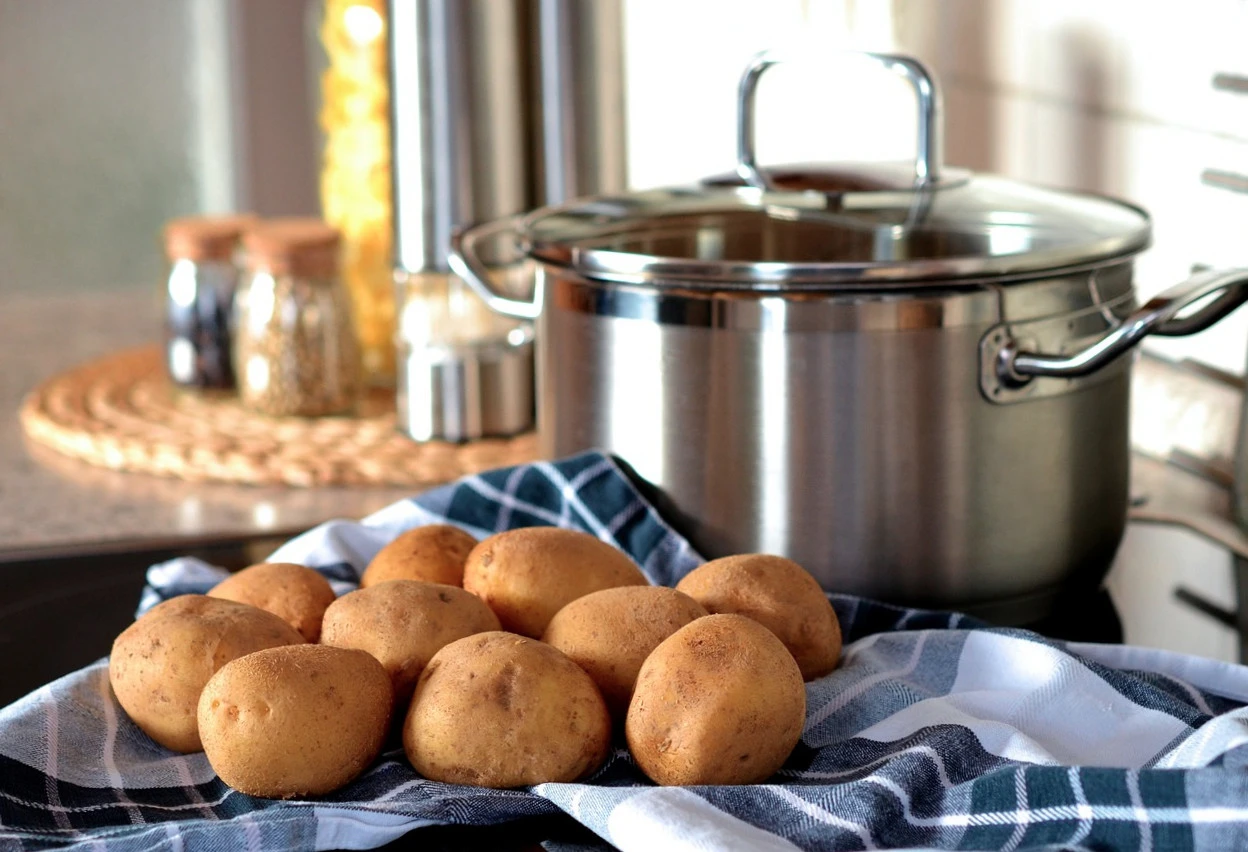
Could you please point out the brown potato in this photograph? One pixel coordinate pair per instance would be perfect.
(501, 710)
(403, 623)
(296, 594)
(610, 633)
(298, 721)
(527, 575)
(780, 595)
(720, 701)
(433, 554)
(160, 664)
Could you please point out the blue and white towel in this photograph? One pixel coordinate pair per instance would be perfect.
(934, 732)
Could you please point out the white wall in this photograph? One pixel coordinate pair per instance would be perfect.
(683, 60)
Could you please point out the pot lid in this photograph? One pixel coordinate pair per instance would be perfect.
(784, 228)
(973, 228)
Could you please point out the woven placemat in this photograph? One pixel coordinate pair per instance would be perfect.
(121, 412)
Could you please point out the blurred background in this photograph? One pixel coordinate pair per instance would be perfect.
(119, 114)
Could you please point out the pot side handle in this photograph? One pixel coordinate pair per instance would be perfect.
(466, 262)
(1226, 290)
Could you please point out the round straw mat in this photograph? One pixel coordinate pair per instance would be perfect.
(121, 412)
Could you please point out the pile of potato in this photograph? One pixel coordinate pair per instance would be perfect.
(505, 663)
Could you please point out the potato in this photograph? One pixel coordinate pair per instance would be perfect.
(160, 664)
(527, 575)
(501, 710)
(433, 554)
(403, 623)
(296, 594)
(297, 721)
(720, 701)
(610, 633)
(780, 595)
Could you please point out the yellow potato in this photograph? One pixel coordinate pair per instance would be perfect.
(527, 575)
(780, 595)
(403, 623)
(296, 594)
(720, 701)
(501, 710)
(610, 633)
(298, 721)
(159, 664)
(432, 554)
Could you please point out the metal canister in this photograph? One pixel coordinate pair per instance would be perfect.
(580, 98)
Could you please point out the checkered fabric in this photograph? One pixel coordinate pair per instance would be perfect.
(934, 732)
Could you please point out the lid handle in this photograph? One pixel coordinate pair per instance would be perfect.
(927, 162)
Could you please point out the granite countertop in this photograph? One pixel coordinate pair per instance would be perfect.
(51, 505)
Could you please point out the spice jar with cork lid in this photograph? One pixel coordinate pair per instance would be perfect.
(199, 294)
(295, 350)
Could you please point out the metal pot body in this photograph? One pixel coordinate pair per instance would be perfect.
(914, 385)
(852, 431)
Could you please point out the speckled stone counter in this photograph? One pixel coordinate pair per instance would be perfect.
(51, 505)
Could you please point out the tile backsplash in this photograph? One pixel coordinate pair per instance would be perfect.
(118, 115)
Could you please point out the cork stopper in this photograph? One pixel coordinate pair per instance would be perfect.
(302, 247)
(205, 238)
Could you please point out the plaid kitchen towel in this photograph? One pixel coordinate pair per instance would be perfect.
(935, 732)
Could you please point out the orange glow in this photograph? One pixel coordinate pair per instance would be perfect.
(355, 171)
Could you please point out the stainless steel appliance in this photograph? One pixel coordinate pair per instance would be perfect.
(497, 106)
(911, 383)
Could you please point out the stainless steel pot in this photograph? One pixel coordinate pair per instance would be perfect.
(911, 385)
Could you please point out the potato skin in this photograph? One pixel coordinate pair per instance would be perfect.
(780, 595)
(297, 721)
(159, 664)
(610, 633)
(720, 701)
(296, 594)
(527, 575)
(403, 623)
(501, 710)
(433, 554)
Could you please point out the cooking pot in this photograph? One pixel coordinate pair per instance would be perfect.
(910, 383)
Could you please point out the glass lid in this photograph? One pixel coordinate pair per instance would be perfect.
(980, 227)
(819, 226)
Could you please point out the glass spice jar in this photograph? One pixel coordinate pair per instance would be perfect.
(199, 295)
(295, 349)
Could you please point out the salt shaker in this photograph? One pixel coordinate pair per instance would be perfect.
(295, 350)
(465, 372)
(199, 295)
